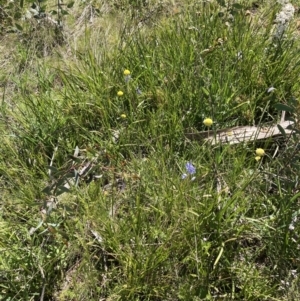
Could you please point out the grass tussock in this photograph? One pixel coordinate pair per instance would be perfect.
(102, 195)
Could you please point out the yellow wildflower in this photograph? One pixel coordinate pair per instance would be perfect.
(120, 93)
(126, 72)
(259, 152)
(208, 122)
(123, 116)
(257, 158)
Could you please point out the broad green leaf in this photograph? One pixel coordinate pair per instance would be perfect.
(64, 12)
(61, 190)
(283, 107)
(17, 16)
(292, 128)
(234, 12)
(282, 131)
(70, 5)
(222, 3)
(71, 175)
(64, 189)
(237, 6)
(61, 181)
(18, 26)
(47, 190)
(78, 160)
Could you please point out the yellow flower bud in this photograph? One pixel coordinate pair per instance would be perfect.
(120, 93)
(257, 158)
(208, 122)
(123, 116)
(259, 152)
(126, 72)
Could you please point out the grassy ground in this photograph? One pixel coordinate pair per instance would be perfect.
(98, 201)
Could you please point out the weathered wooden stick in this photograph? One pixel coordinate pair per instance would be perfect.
(241, 134)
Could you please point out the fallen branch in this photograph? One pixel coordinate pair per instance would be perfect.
(241, 134)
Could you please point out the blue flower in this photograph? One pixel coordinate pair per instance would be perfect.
(190, 168)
